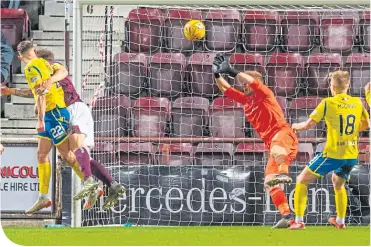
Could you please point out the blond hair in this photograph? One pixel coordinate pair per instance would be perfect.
(340, 79)
(255, 74)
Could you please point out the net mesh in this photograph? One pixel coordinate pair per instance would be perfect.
(185, 153)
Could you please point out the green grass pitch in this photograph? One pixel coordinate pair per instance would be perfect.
(215, 235)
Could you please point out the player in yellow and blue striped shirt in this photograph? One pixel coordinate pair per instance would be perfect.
(345, 117)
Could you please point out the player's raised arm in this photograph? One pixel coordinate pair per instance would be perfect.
(316, 116)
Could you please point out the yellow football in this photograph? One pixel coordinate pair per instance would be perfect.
(194, 30)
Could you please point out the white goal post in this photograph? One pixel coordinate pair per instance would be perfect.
(125, 82)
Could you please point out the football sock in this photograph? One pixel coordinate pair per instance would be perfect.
(76, 168)
(300, 201)
(101, 172)
(341, 201)
(279, 200)
(83, 158)
(44, 170)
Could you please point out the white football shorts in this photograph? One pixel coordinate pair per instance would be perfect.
(81, 117)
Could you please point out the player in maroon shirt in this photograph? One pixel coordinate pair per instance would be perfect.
(265, 115)
(83, 131)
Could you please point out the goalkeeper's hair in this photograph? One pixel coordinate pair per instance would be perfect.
(255, 74)
(46, 54)
(340, 79)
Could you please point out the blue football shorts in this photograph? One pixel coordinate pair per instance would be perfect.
(56, 125)
(321, 165)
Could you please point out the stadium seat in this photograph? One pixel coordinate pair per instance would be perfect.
(227, 119)
(143, 30)
(14, 25)
(260, 30)
(166, 74)
(214, 154)
(222, 29)
(358, 65)
(173, 30)
(105, 153)
(128, 74)
(150, 116)
(338, 31)
(135, 154)
(285, 71)
(248, 154)
(176, 154)
(246, 62)
(201, 80)
(317, 71)
(300, 110)
(364, 31)
(364, 153)
(305, 153)
(190, 116)
(111, 116)
(299, 30)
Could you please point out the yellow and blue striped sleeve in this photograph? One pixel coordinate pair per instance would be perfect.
(319, 113)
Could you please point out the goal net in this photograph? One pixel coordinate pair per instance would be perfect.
(186, 154)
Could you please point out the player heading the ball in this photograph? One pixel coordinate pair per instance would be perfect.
(265, 115)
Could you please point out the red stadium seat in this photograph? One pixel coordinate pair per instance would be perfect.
(105, 153)
(214, 154)
(364, 31)
(150, 117)
(144, 30)
(364, 153)
(227, 119)
(305, 153)
(300, 110)
(358, 65)
(317, 71)
(250, 154)
(137, 154)
(222, 29)
(128, 74)
(246, 62)
(299, 30)
(190, 116)
(284, 71)
(111, 116)
(176, 154)
(338, 31)
(201, 80)
(260, 30)
(166, 74)
(14, 25)
(173, 30)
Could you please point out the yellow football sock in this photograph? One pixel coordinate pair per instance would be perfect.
(44, 177)
(300, 199)
(76, 168)
(341, 202)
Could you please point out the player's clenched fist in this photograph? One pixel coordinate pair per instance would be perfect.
(221, 65)
(40, 126)
(5, 91)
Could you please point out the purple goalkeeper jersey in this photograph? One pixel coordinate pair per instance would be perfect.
(70, 94)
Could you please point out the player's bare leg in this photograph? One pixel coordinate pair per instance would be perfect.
(279, 154)
(300, 198)
(341, 202)
(44, 168)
